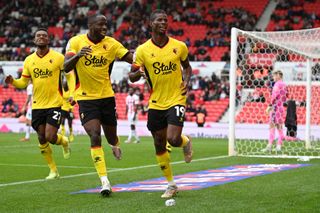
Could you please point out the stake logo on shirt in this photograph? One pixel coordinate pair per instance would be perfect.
(165, 69)
(39, 73)
(96, 61)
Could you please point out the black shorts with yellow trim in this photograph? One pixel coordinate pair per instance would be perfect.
(67, 114)
(51, 116)
(101, 109)
(159, 119)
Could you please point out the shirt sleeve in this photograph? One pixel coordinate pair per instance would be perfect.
(184, 51)
(25, 71)
(71, 47)
(120, 50)
(137, 57)
(61, 61)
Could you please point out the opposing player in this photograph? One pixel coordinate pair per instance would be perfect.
(43, 68)
(276, 110)
(28, 110)
(163, 61)
(67, 110)
(132, 101)
(91, 56)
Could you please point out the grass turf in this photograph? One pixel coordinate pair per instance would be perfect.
(294, 190)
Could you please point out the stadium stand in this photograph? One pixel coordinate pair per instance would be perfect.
(295, 15)
(203, 25)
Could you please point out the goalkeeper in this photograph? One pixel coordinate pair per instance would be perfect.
(276, 110)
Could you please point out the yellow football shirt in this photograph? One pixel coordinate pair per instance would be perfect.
(93, 72)
(45, 74)
(163, 69)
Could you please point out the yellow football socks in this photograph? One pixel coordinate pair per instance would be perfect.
(165, 166)
(63, 130)
(97, 155)
(61, 140)
(46, 152)
(185, 140)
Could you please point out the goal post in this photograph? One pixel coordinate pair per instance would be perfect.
(254, 56)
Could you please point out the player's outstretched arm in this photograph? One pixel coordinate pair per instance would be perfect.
(20, 83)
(128, 58)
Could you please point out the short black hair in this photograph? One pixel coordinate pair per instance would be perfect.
(40, 29)
(93, 18)
(155, 12)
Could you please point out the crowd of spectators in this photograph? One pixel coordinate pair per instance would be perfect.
(218, 23)
(20, 18)
(201, 89)
(290, 13)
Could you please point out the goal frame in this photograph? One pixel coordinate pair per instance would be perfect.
(232, 97)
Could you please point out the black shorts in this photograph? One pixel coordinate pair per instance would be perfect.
(67, 114)
(102, 109)
(159, 119)
(42, 116)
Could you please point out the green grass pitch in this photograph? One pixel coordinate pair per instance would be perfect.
(22, 190)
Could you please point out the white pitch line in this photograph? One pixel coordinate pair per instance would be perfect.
(19, 146)
(35, 165)
(36, 145)
(111, 170)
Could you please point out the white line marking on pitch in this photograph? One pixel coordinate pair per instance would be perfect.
(34, 145)
(110, 170)
(35, 165)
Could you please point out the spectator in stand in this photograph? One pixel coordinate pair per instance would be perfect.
(191, 98)
(2, 76)
(203, 83)
(226, 56)
(187, 42)
(205, 94)
(190, 108)
(6, 103)
(13, 110)
(199, 100)
(202, 54)
(201, 114)
(195, 83)
(124, 85)
(115, 87)
(141, 107)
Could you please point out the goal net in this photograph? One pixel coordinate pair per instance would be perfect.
(255, 56)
